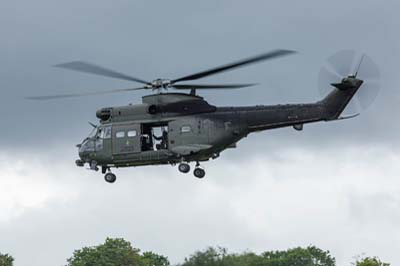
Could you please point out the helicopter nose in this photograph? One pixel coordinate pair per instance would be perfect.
(83, 157)
(83, 153)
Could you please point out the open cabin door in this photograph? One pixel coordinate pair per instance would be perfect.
(126, 139)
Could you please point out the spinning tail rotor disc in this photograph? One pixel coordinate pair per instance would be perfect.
(350, 63)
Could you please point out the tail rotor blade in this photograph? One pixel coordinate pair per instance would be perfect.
(347, 63)
(342, 62)
(368, 93)
(368, 69)
(325, 78)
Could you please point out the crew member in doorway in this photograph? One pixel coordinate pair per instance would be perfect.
(163, 138)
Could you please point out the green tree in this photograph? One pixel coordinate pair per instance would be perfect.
(6, 260)
(209, 257)
(370, 261)
(152, 259)
(115, 252)
(310, 256)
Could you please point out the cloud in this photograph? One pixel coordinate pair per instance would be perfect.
(28, 183)
(342, 200)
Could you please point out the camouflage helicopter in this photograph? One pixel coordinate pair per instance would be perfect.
(179, 128)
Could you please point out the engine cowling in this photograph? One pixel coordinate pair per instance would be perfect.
(104, 114)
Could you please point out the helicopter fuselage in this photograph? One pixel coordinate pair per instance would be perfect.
(192, 129)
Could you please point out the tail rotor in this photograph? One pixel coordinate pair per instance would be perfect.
(350, 64)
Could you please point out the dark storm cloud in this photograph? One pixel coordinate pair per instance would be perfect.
(169, 39)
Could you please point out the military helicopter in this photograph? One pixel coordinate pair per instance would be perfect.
(179, 128)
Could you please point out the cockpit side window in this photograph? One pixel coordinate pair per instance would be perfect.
(99, 133)
(106, 133)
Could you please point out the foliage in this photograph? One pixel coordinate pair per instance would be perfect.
(310, 256)
(119, 252)
(115, 252)
(370, 261)
(153, 259)
(6, 260)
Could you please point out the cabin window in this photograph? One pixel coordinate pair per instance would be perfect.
(120, 134)
(107, 133)
(186, 129)
(132, 133)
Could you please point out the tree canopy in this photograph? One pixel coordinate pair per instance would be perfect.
(118, 252)
(310, 256)
(370, 261)
(115, 252)
(6, 260)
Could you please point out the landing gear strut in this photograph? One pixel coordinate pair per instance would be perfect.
(184, 168)
(110, 177)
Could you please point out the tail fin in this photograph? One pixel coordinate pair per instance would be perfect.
(339, 98)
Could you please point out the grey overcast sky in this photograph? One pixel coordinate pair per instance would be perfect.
(335, 185)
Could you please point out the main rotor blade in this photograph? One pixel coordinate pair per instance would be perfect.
(59, 96)
(98, 70)
(211, 86)
(248, 61)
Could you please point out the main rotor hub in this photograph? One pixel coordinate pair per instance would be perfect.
(160, 84)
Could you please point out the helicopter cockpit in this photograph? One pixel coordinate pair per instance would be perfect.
(94, 142)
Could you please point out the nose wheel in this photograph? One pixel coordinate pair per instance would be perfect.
(110, 177)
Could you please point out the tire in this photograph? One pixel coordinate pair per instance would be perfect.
(184, 168)
(110, 177)
(199, 173)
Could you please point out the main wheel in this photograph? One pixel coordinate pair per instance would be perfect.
(110, 177)
(199, 173)
(184, 168)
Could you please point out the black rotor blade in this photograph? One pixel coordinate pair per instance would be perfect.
(368, 69)
(98, 70)
(70, 95)
(251, 60)
(211, 86)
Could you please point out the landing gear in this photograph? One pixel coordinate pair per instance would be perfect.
(184, 168)
(199, 172)
(110, 177)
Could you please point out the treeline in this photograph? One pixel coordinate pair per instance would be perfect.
(118, 252)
